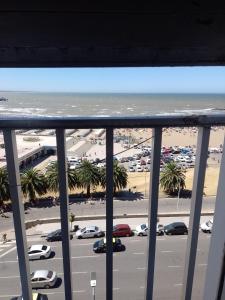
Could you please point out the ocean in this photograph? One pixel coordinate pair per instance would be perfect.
(103, 105)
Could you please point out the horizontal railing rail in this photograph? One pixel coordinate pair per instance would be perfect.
(176, 120)
(8, 124)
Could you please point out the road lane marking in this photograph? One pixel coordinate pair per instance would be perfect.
(142, 287)
(141, 268)
(202, 265)
(61, 273)
(138, 253)
(7, 277)
(166, 251)
(52, 293)
(116, 288)
(115, 270)
(178, 284)
(174, 266)
(55, 258)
(10, 250)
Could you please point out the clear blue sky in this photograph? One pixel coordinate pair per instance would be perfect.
(131, 80)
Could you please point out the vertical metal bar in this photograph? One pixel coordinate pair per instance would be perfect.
(18, 211)
(195, 213)
(217, 243)
(153, 209)
(64, 204)
(109, 213)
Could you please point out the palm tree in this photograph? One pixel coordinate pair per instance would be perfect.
(53, 181)
(172, 178)
(33, 184)
(89, 175)
(119, 177)
(4, 186)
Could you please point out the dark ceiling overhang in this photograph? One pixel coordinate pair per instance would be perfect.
(97, 34)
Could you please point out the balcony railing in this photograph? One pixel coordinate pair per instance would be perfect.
(214, 283)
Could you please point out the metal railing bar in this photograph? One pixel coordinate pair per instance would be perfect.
(152, 210)
(109, 213)
(64, 204)
(18, 211)
(217, 242)
(195, 213)
(181, 120)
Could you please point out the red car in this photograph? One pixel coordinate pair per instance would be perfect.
(121, 230)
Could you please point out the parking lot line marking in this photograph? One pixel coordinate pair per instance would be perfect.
(184, 238)
(116, 288)
(202, 265)
(166, 251)
(115, 270)
(10, 250)
(138, 253)
(174, 266)
(161, 239)
(142, 287)
(7, 296)
(178, 284)
(1, 250)
(141, 268)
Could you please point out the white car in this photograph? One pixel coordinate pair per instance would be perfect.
(139, 169)
(207, 226)
(39, 251)
(89, 232)
(142, 229)
(43, 279)
(131, 169)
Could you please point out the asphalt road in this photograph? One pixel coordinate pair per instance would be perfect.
(129, 269)
(166, 205)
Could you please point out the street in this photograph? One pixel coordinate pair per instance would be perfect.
(128, 268)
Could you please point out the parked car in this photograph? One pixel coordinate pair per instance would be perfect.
(100, 246)
(143, 162)
(139, 169)
(146, 169)
(207, 226)
(56, 236)
(142, 229)
(176, 228)
(39, 251)
(43, 279)
(148, 160)
(35, 296)
(131, 169)
(89, 232)
(120, 230)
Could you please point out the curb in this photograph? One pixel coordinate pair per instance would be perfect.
(29, 224)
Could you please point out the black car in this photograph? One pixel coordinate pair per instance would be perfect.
(35, 296)
(100, 246)
(56, 236)
(176, 228)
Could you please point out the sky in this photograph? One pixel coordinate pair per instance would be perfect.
(115, 80)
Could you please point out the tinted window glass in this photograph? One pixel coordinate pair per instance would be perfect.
(50, 273)
(44, 247)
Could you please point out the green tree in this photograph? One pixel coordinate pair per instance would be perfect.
(119, 177)
(33, 184)
(172, 178)
(88, 175)
(53, 181)
(4, 186)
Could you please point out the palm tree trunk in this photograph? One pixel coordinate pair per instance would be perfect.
(88, 191)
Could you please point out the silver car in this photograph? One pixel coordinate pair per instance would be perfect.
(89, 232)
(43, 279)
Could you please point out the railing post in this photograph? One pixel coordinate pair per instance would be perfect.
(195, 213)
(217, 244)
(64, 204)
(109, 213)
(153, 209)
(18, 211)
